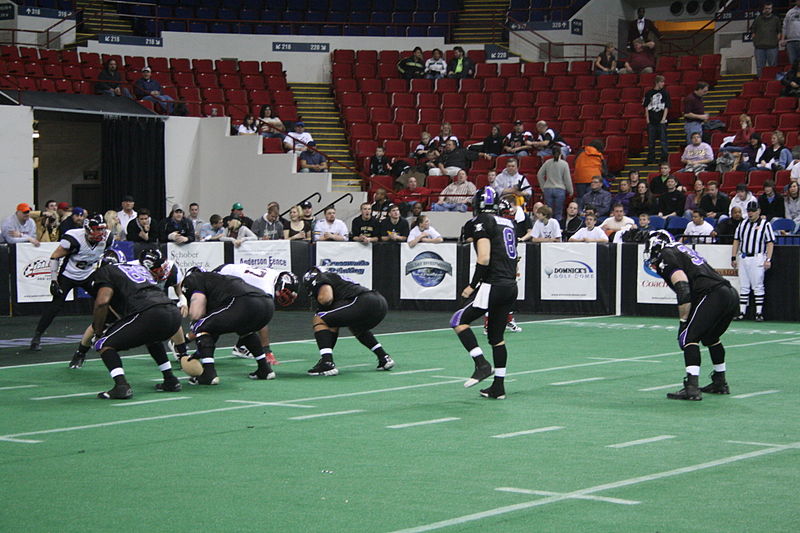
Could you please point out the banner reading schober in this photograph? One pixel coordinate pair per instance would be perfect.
(569, 271)
(428, 271)
(352, 260)
(208, 255)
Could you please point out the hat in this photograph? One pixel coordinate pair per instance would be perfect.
(311, 143)
(518, 122)
(128, 198)
(299, 124)
(63, 205)
(146, 69)
(752, 206)
(77, 210)
(177, 207)
(236, 206)
(305, 205)
(25, 208)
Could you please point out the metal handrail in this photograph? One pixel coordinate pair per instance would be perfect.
(342, 197)
(309, 197)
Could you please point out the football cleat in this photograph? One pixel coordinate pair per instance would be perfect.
(241, 352)
(169, 385)
(36, 343)
(759, 317)
(119, 392)
(495, 392)
(323, 368)
(690, 390)
(512, 326)
(267, 373)
(739, 317)
(208, 377)
(385, 363)
(718, 384)
(77, 359)
(481, 372)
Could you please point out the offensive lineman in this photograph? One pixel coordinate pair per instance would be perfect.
(706, 305)
(494, 286)
(82, 249)
(339, 303)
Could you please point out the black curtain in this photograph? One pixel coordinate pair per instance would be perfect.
(133, 163)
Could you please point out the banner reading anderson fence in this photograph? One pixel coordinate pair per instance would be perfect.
(265, 254)
(208, 255)
(349, 259)
(33, 272)
(428, 271)
(569, 271)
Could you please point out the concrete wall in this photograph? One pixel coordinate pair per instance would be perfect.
(16, 154)
(37, 24)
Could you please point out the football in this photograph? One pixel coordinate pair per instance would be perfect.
(192, 367)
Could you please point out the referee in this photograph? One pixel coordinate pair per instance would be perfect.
(753, 245)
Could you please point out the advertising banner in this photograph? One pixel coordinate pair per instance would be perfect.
(428, 272)
(265, 254)
(352, 260)
(33, 272)
(650, 287)
(569, 271)
(522, 253)
(719, 257)
(208, 255)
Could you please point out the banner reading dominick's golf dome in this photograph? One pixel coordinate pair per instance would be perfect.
(569, 271)
(428, 272)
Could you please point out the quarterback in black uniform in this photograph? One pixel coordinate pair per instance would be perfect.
(706, 305)
(341, 302)
(146, 317)
(493, 288)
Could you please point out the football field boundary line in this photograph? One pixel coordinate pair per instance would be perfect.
(498, 511)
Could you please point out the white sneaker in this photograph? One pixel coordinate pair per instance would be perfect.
(513, 327)
(241, 352)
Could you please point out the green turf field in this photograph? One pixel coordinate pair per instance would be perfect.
(585, 441)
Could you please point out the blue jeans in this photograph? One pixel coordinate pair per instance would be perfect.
(162, 100)
(657, 131)
(447, 206)
(793, 51)
(554, 197)
(765, 57)
(692, 127)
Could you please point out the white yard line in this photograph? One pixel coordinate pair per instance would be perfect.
(321, 415)
(14, 387)
(661, 387)
(526, 432)
(573, 381)
(423, 423)
(405, 372)
(273, 404)
(77, 394)
(622, 360)
(356, 365)
(144, 402)
(640, 441)
(750, 443)
(752, 394)
(551, 493)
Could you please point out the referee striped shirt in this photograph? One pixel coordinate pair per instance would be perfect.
(754, 236)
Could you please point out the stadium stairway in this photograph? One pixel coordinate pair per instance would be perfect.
(477, 23)
(316, 107)
(98, 18)
(728, 86)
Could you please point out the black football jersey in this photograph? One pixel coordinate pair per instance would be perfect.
(702, 277)
(502, 236)
(468, 230)
(135, 289)
(218, 288)
(343, 289)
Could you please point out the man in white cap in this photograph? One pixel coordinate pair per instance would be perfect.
(296, 141)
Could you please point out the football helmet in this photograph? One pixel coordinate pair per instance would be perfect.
(310, 279)
(485, 200)
(505, 209)
(95, 227)
(153, 260)
(655, 245)
(113, 257)
(286, 286)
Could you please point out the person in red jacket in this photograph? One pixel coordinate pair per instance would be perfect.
(406, 198)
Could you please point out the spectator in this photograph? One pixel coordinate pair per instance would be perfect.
(770, 203)
(237, 233)
(237, 212)
(46, 222)
(456, 195)
(606, 61)
(140, 228)
(644, 222)
(589, 163)
(643, 201)
(271, 125)
(146, 88)
(379, 164)
(791, 80)
(670, 204)
(549, 140)
(394, 228)
(298, 229)
(546, 228)
(493, 144)
(424, 144)
(523, 225)
(248, 126)
(176, 228)
(572, 223)
(454, 159)
(617, 221)
(109, 81)
(766, 34)
(126, 214)
(752, 153)
(791, 33)
(518, 142)
(194, 217)
(694, 113)
(598, 197)
(698, 230)
(416, 211)
(694, 198)
(20, 227)
(726, 227)
(658, 183)
(365, 228)
(642, 59)
(311, 160)
(113, 224)
(623, 197)
(268, 227)
(589, 233)
(73, 221)
(742, 198)
(64, 211)
(511, 182)
(642, 29)
(330, 228)
(556, 183)
(460, 66)
(380, 204)
(297, 140)
(714, 203)
(423, 232)
(697, 155)
(445, 134)
(413, 66)
(633, 177)
(777, 156)
(307, 212)
(739, 141)
(436, 66)
(491, 176)
(792, 204)
(656, 105)
(407, 197)
(211, 230)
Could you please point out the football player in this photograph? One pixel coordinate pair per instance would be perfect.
(343, 303)
(146, 317)
(706, 305)
(493, 289)
(81, 250)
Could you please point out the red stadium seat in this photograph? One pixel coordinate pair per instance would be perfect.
(509, 70)
(493, 85)
(378, 115)
(453, 100)
(343, 56)
(476, 100)
(272, 68)
(421, 86)
(756, 179)
(588, 96)
(446, 85)
(369, 57)
(499, 99)
(567, 98)
(477, 114)
(230, 81)
(609, 96)
(394, 85)
(470, 85)
(272, 146)
(557, 68)
(533, 69)
(486, 70)
(785, 104)
(249, 68)
(428, 100)
(563, 83)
